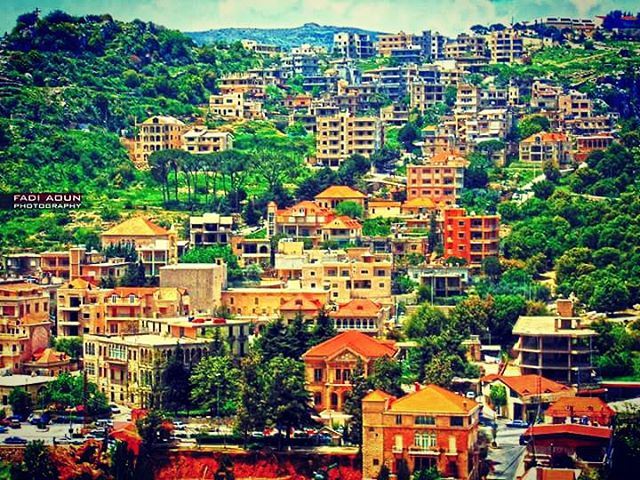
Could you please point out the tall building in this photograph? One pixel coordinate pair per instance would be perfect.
(81, 307)
(465, 46)
(340, 136)
(471, 237)
(234, 106)
(506, 46)
(560, 348)
(440, 179)
(210, 229)
(154, 134)
(24, 323)
(353, 45)
(389, 42)
(424, 95)
(430, 428)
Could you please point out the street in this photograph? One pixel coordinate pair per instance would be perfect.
(507, 457)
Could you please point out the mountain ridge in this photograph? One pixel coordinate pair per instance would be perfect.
(310, 32)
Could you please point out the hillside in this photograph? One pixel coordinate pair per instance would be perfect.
(69, 87)
(286, 38)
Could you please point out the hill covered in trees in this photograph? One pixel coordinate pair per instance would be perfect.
(70, 86)
(286, 38)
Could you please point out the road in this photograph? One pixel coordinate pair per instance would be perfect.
(507, 457)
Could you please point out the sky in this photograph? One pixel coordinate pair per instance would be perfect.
(446, 16)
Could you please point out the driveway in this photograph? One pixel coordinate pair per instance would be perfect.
(508, 456)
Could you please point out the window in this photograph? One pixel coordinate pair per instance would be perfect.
(398, 419)
(425, 440)
(317, 375)
(456, 421)
(425, 420)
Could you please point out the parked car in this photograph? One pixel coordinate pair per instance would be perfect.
(3, 429)
(104, 423)
(15, 441)
(114, 408)
(486, 421)
(178, 425)
(517, 424)
(15, 423)
(470, 394)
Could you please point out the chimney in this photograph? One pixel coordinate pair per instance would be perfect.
(564, 307)
(416, 386)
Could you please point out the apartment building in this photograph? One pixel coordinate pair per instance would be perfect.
(25, 327)
(383, 209)
(24, 264)
(387, 43)
(81, 308)
(128, 368)
(394, 115)
(546, 147)
(575, 104)
(465, 46)
(210, 229)
(340, 136)
(424, 95)
(248, 84)
(442, 281)
(270, 50)
(156, 246)
(506, 46)
(251, 251)
(438, 44)
(585, 144)
(126, 306)
(353, 45)
(360, 314)
(440, 179)
(204, 283)
(557, 347)
(154, 134)
(430, 428)
(202, 140)
(235, 106)
(348, 274)
(471, 237)
(304, 219)
(545, 96)
(329, 366)
(264, 304)
(342, 229)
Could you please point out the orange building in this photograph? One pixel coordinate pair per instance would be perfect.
(304, 219)
(342, 229)
(546, 147)
(48, 362)
(332, 196)
(431, 427)
(126, 306)
(577, 409)
(330, 365)
(81, 308)
(24, 323)
(270, 303)
(473, 238)
(440, 179)
(156, 246)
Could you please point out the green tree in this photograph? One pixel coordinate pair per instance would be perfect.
(408, 134)
(72, 346)
(360, 386)
(440, 370)
(175, 383)
(20, 401)
(252, 398)
(214, 385)
(123, 462)
(37, 463)
(531, 125)
(323, 328)
(353, 168)
(491, 268)
(425, 321)
(287, 404)
(350, 209)
(610, 294)
(498, 396)
(299, 336)
(386, 376)
(626, 444)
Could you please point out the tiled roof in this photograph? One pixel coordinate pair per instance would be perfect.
(384, 203)
(579, 407)
(434, 399)
(533, 385)
(569, 429)
(49, 355)
(354, 340)
(136, 226)
(377, 396)
(309, 207)
(301, 302)
(163, 120)
(420, 202)
(448, 157)
(343, 222)
(340, 191)
(19, 287)
(546, 137)
(358, 307)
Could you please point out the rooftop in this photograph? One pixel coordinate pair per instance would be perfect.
(355, 341)
(434, 399)
(549, 325)
(579, 407)
(359, 307)
(569, 429)
(526, 385)
(136, 226)
(340, 191)
(11, 381)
